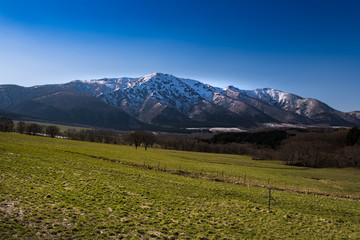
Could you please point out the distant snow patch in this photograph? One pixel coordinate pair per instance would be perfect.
(218, 129)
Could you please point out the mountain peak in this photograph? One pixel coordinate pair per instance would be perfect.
(157, 74)
(231, 87)
(160, 98)
(154, 76)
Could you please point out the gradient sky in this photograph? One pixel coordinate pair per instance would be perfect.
(307, 47)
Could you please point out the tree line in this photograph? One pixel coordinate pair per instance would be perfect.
(308, 148)
(325, 148)
(8, 125)
(270, 139)
(137, 138)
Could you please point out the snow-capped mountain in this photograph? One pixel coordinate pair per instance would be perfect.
(355, 114)
(307, 107)
(165, 100)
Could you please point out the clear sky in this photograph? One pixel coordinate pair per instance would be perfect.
(307, 47)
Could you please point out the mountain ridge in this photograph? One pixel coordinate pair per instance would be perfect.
(166, 100)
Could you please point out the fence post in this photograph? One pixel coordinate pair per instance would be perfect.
(269, 201)
(269, 197)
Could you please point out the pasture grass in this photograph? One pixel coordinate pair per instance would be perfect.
(56, 188)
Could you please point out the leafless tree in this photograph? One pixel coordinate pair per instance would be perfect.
(148, 139)
(6, 124)
(33, 128)
(135, 139)
(141, 137)
(52, 130)
(21, 127)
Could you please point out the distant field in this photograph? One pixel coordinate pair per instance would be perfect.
(55, 188)
(60, 126)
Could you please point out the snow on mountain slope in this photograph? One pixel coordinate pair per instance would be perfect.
(290, 102)
(313, 109)
(355, 114)
(167, 89)
(206, 91)
(144, 97)
(286, 101)
(164, 99)
(271, 110)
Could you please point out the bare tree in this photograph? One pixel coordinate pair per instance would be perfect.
(33, 129)
(148, 139)
(6, 124)
(21, 127)
(52, 131)
(135, 138)
(140, 137)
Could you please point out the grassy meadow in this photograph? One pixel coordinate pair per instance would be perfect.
(64, 189)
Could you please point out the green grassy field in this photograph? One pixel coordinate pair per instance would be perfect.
(54, 188)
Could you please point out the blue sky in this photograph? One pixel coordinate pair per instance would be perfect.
(307, 47)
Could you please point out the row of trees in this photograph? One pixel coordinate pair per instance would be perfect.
(315, 148)
(198, 145)
(7, 125)
(270, 139)
(100, 136)
(339, 148)
(320, 148)
(138, 138)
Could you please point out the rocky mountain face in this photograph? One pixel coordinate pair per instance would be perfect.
(165, 100)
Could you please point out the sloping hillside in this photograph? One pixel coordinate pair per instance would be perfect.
(54, 188)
